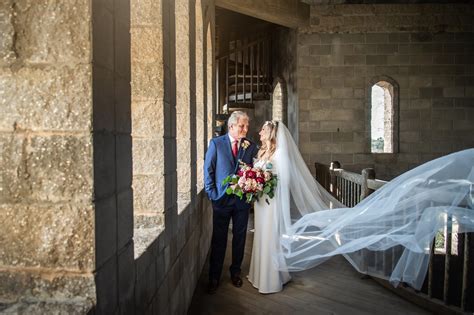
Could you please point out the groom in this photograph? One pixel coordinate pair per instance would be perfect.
(222, 159)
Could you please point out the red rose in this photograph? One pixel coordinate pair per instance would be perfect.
(260, 180)
(250, 174)
(240, 173)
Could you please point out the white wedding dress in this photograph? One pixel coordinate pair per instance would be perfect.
(265, 274)
(304, 225)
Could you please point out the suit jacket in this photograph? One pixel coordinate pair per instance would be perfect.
(220, 163)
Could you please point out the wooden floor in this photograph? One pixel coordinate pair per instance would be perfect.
(334, 287)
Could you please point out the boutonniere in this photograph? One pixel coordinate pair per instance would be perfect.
(245, 144)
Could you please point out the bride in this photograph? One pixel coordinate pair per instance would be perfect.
(387, 235)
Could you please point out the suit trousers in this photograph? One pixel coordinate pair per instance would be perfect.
(221, 219)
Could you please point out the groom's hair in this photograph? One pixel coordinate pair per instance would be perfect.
(235, 116)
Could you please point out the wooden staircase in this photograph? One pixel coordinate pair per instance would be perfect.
(243, 75)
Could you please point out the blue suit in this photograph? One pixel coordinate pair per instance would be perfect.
(220, 163)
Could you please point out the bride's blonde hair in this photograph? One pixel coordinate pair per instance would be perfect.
(269, 144)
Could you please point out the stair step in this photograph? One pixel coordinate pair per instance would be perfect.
(255, 96)
(245, 105)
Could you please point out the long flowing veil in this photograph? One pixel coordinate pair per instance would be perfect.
(388, 234)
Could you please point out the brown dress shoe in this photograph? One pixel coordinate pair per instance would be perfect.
(236, 280)
(212, 287)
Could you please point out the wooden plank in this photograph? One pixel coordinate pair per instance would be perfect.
(375, 184)
(334, 287)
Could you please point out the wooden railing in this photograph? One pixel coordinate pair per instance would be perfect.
(244, 74)
(449, 284)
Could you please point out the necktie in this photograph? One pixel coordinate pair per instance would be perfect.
(235, 148)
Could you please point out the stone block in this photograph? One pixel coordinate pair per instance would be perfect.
(343, 49)
(363, 158)
(443, 59)
(365, 49)
(337, 126)
(464, 102)
(409, 136)
(354, 59)
(431, 92)
(46, 98)
(420, 81)
(46, 169)
(103, 98)
(354, 147)
(376, 60)
(148, 118)
(463, 125)
(107, 287)
(372, 38)
(104, 164)
(106, 230)
(148, 193)
(50, 235)
(309, 60)
(342, 93)
(320, 50)
(125, 221)
(420, 103)
(52, 33)
(453, 92)
(124, 161)
(321, 94)
(146, 44)
(321, 137)
(59, 287)
(343, 137)
(398, 60)
(421, 59)
(148, 156)
(147, 81)
(398, 38)
(103, 36)
(330, 148)
(342, 70)
(145, 12)
(308, 39)
(7, 49)
(123, 106)
(332, 60)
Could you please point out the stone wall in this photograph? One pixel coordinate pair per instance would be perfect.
(71, 123)
(427, 49)
(47, 248)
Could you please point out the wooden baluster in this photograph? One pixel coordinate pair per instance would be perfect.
(252, 58)
(367, 173)
(244, 61)
(236, 81)
(258, 68)
(333, 186)
(227, 96)
(467, 290)
(447, 261)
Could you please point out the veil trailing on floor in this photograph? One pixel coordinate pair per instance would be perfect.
(389, 234)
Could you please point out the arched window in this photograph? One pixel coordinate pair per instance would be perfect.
(384, 116)
(279, 101)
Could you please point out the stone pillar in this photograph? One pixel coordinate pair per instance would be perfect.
(47, 248)
(147, 120)
(183, 101)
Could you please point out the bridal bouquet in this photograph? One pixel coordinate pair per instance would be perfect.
(251, 182)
